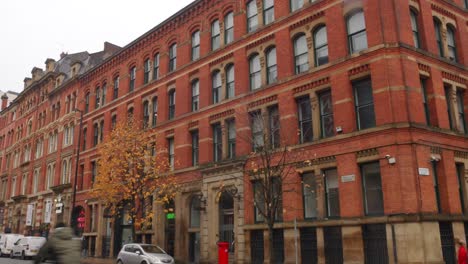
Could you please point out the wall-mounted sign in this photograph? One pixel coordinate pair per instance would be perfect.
(423, 171)
(48, 211)
(29, 214)
(170, 216)
(348, 178)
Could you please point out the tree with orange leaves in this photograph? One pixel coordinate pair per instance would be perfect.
(130, 175)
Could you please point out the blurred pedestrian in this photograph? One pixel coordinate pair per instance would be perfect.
(84, 246)
(60, 247)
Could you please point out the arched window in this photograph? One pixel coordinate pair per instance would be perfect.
(320, 46)
(438, 35)
(173, 57)
(85, 134)
(86, 110)
(452, 48)
(252, 16)
(96, 134)
(146, 114)
(196, 45)
(154, 104)
(271, 65)
(116, 87)
(49, 177)
(215, 35)
(216, 86)
(195, 95)
(357, 36)
(268, 11)
(98, 97)
(301, 58)
(101, 131)
(195, 206)
(104, 94)
(230, 88)
(64, 171)
(172, 101)
(228, 28)
(130, 113)
(147, 68)
(113, 121)
(255, 72)
(156, 67)
(132, 79)
(414, 28)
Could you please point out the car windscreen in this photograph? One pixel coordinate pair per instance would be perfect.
(152, 249)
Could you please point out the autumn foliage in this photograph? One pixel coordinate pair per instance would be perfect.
(133, 174)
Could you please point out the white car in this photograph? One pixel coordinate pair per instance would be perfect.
(143, 254)
(27, 247)
(7, 241)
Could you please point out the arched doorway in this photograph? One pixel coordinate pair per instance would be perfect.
(123, 229)
(78, 220)
(226, 220)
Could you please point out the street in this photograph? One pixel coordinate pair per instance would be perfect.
(7, 260)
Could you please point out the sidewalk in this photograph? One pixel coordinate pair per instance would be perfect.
(98, 261)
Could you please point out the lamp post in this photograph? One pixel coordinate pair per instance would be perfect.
(76, 164)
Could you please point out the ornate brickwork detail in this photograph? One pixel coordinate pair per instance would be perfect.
(359, 70)
(193, 124)
(307, 20)
(222, 114)
(443, 11)
(260, 41)
(169, 132)
(367, 153)
(311, 85)
(263, 101)
(436, 150)
(221, 59)
(424, 67)
(316, 161)
(461, 154)
(453, 77)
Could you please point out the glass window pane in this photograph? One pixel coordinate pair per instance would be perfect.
(356, 23)
(310, 195)
(359, 41)
(296, 4)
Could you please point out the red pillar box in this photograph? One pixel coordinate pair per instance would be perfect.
(223, 250)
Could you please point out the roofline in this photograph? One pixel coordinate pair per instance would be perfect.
(146, 34)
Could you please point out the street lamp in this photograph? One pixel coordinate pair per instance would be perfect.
(76, 163)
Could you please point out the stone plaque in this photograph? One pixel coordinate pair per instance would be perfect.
(348, 178)
(423, 171)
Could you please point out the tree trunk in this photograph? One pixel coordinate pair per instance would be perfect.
(270, 244)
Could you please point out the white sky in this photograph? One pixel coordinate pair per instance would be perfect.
(33, 30)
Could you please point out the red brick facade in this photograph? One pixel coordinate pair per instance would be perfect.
(397, 71)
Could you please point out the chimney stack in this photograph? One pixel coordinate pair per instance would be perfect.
(4, 101)
(50, 65)
(27, 81)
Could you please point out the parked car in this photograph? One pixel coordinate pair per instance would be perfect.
(143, 254)
(27, 247)
(6, 243)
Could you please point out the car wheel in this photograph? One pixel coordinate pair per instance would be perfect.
(119, 262)
(23, 257)
(143, 262)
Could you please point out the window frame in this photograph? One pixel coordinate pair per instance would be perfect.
(195, 147)
(324, 115)
(359, 84)
(215, 35)
(255, 77)
(228, 28)
(131, 86)
(172, 57)
(415, 28)
(304, 67)
(438, 36)
(217, 142)
(156, 66)
(195, 55)
(271, 65)
(172, 104)
(230, 84)
(304, 137)
(147, 70)
(116, 87)
(365, 188)
(251, 27)
(451, 43)
(268, 10)
(216, 86)
(231, 138)
(320, 48)
(356, 34)
(195, 95)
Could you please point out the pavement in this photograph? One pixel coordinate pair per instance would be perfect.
(98, 261)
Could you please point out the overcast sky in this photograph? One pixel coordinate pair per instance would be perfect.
(33, 30)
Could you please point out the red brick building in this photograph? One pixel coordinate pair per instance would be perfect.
(376, 90)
